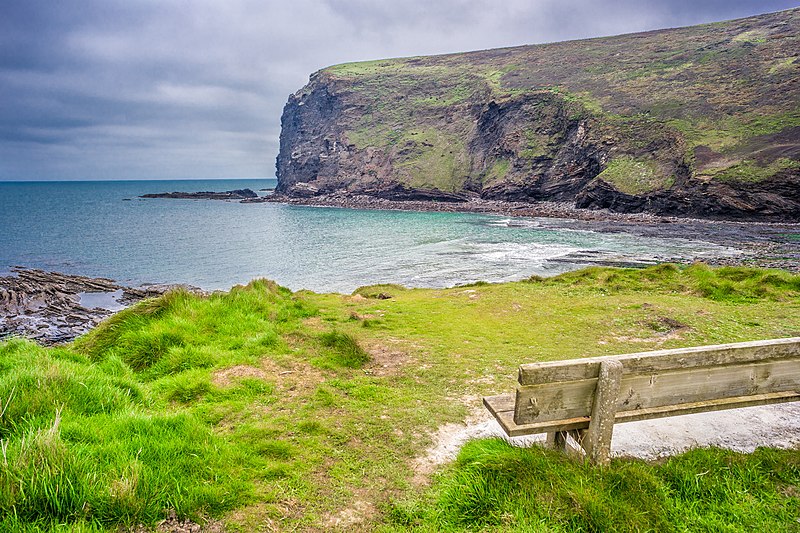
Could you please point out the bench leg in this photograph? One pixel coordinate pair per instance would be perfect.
(597, 441)
(557, 440)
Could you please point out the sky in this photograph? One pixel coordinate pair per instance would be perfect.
(177, 89)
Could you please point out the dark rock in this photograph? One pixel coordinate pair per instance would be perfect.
(46, 305)
(237, 194)
(303, 190)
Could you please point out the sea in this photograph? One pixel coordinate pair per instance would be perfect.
(103, 229)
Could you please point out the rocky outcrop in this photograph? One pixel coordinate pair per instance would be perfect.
(700, 121)
(237, 194)
(52, 308)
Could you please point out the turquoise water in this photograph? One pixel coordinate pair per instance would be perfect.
(103, 229)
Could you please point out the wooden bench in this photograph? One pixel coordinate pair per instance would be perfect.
(582, 399)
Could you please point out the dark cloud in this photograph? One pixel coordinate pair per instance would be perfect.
(105, 89)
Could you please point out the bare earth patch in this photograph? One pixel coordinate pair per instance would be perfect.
(352, 516)
(227, 376)
(386, 361)
(173, 524)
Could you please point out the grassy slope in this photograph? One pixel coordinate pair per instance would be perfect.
(268, 409)
(722, 86)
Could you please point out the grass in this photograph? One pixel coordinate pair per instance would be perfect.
(434, 159)
(263, 408)
(633, 176)
(494, 486)
(81, 446)
(729, 133)
(749, 171)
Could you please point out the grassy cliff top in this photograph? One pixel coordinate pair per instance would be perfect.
(711, 71)
(729, 90)
(266, 409)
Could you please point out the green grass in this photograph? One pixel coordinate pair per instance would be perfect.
(634, 176)
(752, 36)
(749, 171)
(728, 133)
(345, 350)
(83, 446)
(434, 159)
(497, 171)
(494, 486)
(263, 408)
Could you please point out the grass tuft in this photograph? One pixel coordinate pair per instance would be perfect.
(344, 349)
(725, 284)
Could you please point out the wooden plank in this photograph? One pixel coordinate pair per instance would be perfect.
(496, 405)
(656, 361)
(597, 441)
(506, 417)
(501, 402)
(709, 406)
(572, 399)
(708, 384)
(554, 401)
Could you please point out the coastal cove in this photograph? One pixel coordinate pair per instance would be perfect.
(103, 229)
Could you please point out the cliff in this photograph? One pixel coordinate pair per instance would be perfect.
(700, 121)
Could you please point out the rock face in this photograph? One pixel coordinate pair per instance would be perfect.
(700, 121)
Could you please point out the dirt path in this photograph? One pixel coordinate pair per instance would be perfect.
(741, 430)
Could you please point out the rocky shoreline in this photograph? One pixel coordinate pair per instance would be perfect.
(53, 308)
(472, 205)
(543, 209)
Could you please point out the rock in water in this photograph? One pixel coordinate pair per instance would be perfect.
(236, 194)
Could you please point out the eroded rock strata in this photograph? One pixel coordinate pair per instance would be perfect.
(701, 121)
(51, 307)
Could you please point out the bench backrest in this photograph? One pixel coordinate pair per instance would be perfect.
(665, 382)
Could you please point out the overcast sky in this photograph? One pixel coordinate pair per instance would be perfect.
(158, 89)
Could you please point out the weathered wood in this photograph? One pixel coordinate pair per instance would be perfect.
(501, 402)
(572, 399)
(708, 384)
(561, 397)
(597, 441)
(498, 406)
(554, 401)
(705, 407)
(656, 361)
(506, 417)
